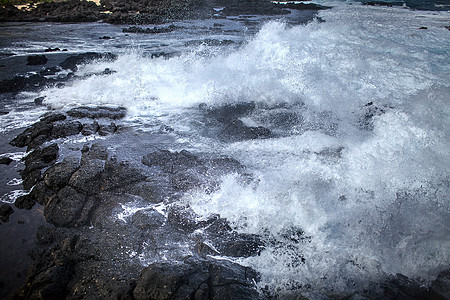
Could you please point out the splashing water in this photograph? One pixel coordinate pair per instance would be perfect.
(358, 188)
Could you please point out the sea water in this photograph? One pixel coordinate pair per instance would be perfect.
(358, 187)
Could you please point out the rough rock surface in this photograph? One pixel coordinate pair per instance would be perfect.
(143, 11)
(36, 82)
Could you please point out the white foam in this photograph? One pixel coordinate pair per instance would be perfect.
(369, 202)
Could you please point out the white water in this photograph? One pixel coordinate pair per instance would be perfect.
(370, 202)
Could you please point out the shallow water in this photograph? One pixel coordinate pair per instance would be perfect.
(355, 183)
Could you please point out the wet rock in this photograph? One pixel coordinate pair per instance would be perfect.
(63, 210)
(5, 160)
(369, 111)
(95, 151)
(104, 130)
(30, 178)
(89, 129)
(25, 202)
(171, 162)
(50, 71)
(113, 113)
(154, 30)
(229, 112)
(237, 131)
(103, 280)
(88, 178)
(41, 128)
(50, 49)
(72, 62)
(34, 60)
(58, 175)
(41, 193)
(147, 220)
(440, 288)
(46, 234)
(38, 101)
(216, 280)
(65, 129)
(5, 211)
(40, 158)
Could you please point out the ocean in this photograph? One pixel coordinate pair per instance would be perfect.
(354, 183)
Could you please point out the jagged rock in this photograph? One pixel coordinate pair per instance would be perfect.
(147, 220)
(89, 129)
(65, 129)
(41, 128)
(40, 158)
(64, 208)
(440, 288)
(29, 179)
(107, 129)
(33, 60)
(98, 112)
(171, 162)
(88, 178)
(25, 202)
(58, 175)
(95, 151)
(5, 211)
(216, 279)
(41, 193)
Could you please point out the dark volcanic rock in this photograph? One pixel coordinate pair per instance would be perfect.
(72, 62)
(58, 175)
(237, 131)
(65, 129)
(41, 128)
(230, 112)
(40, 158)
(98, 112)
(5, 211)
(38, 101)
(5, 160)
(107, 129)
(89, 129)
(196, 280)
(154, 30)
(25, 202)
(64, 209)
(33, 60)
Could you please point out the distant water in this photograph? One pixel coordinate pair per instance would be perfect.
(356, 187)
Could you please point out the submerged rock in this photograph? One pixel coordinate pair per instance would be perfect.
(5, 211)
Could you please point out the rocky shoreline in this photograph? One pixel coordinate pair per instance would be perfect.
(143, 11)
(118, 230)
